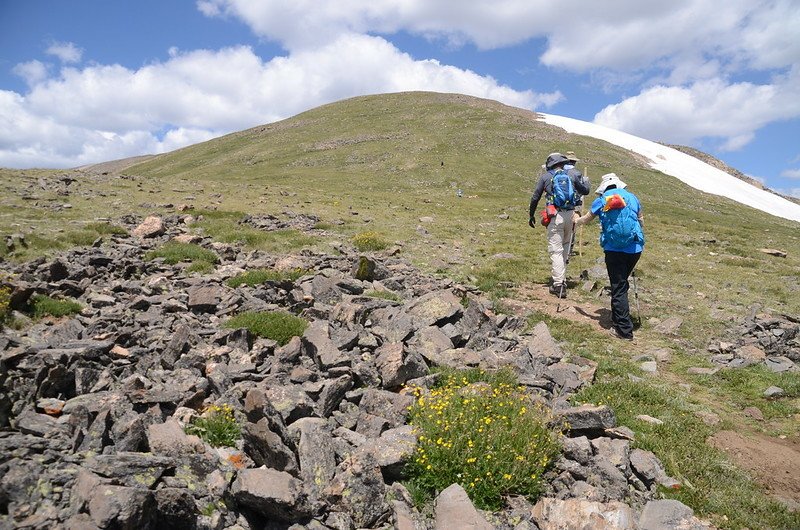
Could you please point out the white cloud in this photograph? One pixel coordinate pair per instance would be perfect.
(791, 174)
(68, 52)
(732, 112)
(102, 112)
(33, 72)
(622, 35)
(308, 23)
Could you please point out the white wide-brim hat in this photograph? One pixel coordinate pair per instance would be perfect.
(607, 180)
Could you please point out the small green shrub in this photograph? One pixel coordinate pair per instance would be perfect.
(384, 295)
(367, 241)
(260, 276)
(5, 301)
(202, 259)
(486, 436)
(217, 426)
(44, 305)
(104, 228)
(276, 325)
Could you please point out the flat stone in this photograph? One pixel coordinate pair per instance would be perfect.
(588, 418)
(668, 514)
(271, 493)
(649, 419)
(774, 392)
(779, 364)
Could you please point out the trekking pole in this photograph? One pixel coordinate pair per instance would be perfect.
(580, 229)
(636, 298)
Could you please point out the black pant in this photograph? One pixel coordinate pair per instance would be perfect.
(619, 266)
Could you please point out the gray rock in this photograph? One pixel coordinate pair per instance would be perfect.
(541, 344)
(30, 422)
(453, 509)
(391, 324)
(315, 452)
(392, 449)
(435, 308)
(358, 489)
(646, 466)
(779, 364)
(616, 452)
(670, 326)
(204, 298)
(395, 367)
(608, 478)
(271, 493)
(325, 290)
(130, 469)
(554, 514)
(368, 269)
(394, 407)
(267, 448)
(318, 345)
(175, 509)
(588, 418)
(121, 507)
(169, 439)
(578, 449)
(774, 392)
(290, 401)
(333, 391)
(669, 514)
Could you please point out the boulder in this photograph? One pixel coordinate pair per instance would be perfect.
(271, 493)
(152, 226)
(453, 509)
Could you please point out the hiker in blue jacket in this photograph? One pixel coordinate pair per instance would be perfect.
(559, 223)
(622, 239)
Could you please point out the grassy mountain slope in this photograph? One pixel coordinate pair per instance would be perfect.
(393, 163)
(394, 159)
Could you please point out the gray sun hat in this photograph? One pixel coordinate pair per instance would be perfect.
(554, 159)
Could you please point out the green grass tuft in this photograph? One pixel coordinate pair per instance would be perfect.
(46, 306)
(202, 259)
(217, 426)
(260, 276)
(276, 325)
(384, 295)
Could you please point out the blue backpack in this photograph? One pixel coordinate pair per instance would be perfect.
(620, 223)
(563, 190)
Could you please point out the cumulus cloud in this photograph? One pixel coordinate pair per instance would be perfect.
(33, 72)
(731, 112)
(622, 35)
(308, 23)
(102, 112)
(67, 52)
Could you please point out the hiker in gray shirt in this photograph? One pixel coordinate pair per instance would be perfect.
(558, 215)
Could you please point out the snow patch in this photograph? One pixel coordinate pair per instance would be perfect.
(685, 168)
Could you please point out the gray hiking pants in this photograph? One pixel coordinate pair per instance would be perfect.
(559, 235)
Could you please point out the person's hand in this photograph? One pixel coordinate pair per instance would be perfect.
(576, 218)
(532, 222)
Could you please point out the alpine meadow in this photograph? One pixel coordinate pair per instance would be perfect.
(438, 184)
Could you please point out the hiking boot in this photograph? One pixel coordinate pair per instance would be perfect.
(618, 334)
(559, 290)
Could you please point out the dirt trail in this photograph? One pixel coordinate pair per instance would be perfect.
(773, 462)
(536, 297)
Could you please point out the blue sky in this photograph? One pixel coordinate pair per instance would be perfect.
(85, 81)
